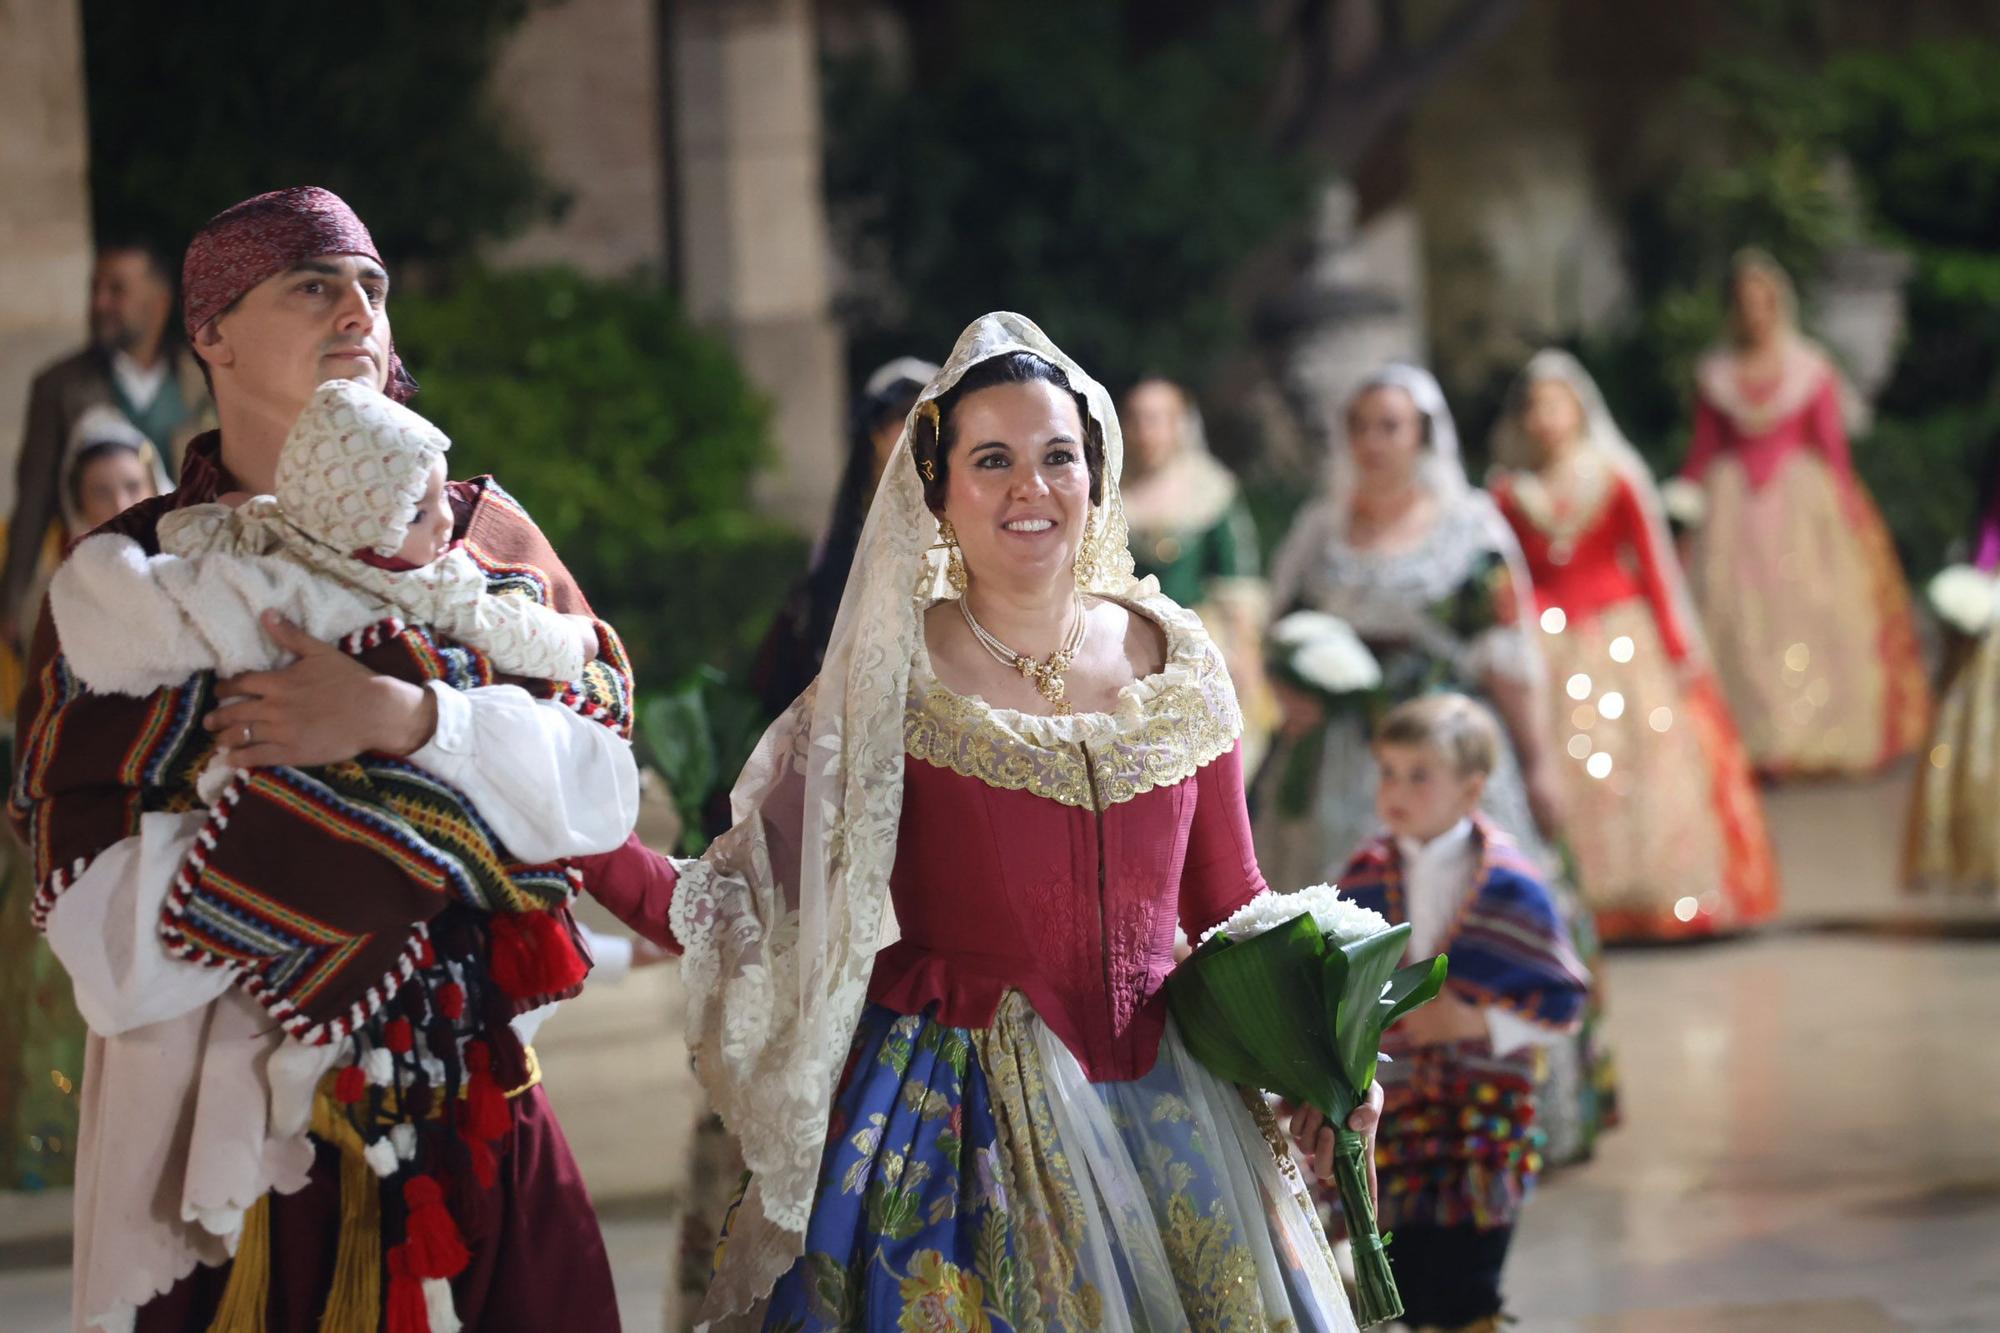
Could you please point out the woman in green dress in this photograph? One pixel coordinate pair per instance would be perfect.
(1192, 531)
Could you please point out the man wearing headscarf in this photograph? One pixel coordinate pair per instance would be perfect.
(308, 1100)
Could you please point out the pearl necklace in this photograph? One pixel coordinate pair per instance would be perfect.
(1046, 676)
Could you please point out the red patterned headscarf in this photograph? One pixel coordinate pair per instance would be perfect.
(263, 237)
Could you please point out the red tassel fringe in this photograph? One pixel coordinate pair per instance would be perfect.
(533, 954)
(432, 1245)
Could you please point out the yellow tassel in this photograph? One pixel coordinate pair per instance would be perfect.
(248, 1294)
(354, 1302)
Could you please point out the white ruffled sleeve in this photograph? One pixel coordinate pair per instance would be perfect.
(105, 929)
(550, 782)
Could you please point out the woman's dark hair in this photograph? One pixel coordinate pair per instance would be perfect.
(91, 453)
(828, 578)
(795, 645)
(1013, 368)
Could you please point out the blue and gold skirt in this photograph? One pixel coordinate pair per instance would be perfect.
(974, 1179)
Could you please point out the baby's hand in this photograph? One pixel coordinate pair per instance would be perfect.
(586, 634)
(232, 499)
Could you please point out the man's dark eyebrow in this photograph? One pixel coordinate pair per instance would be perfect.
(328, 269)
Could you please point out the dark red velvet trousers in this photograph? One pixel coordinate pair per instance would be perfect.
(538, 1262)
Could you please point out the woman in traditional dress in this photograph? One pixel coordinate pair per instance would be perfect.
(1663, 814)
(1427, 573)
(1193, 532)
(1032, 759)
(1799, 588)
(1953, 843)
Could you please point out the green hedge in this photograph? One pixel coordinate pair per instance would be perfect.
(629, 434)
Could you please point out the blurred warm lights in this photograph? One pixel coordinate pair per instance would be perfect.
(1612, 705)
(1621, 648)
(1579, 687)
(1553, 620)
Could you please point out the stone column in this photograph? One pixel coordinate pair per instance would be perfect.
(753, 252)
(45, 244)
(580, 81)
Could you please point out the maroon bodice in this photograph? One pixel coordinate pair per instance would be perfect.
(1001, 889)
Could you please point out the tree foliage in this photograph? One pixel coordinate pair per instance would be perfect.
(1049, 160)
(630, 435)
(193, 107)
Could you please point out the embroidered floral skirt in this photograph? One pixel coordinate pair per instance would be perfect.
(976, 1180)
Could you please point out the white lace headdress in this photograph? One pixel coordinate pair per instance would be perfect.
(1439, 471)
(782, 917)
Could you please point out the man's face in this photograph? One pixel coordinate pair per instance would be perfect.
(326, 319)
(130, 301)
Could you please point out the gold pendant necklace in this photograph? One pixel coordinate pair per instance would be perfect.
(1047, 675)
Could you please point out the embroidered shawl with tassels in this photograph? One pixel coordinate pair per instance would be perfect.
(316, 887)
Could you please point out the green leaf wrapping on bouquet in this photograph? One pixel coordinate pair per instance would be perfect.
(1360, 999)
(1290, 1013)
(1250, 1011)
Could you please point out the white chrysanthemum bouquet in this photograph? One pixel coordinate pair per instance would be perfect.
(1292, 995)
(1322, 655)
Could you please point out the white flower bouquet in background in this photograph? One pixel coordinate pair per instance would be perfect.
(1685, 501)
(1964, 598)
(1322, 653)
(1292, 995)
(1323, 656)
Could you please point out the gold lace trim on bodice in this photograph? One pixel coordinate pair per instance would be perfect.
(1164, 728)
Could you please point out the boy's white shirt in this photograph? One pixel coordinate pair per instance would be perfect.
(1438, 877)
(550, 783)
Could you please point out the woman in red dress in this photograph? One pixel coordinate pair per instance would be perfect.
(1027, 760)
(1663, 816)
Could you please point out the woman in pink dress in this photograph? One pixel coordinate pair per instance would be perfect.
(1801, 592)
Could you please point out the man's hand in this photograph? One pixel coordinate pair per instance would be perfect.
(322, 709)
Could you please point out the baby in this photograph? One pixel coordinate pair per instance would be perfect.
(359, 531)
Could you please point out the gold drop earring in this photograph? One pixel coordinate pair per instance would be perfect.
(954, 559)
